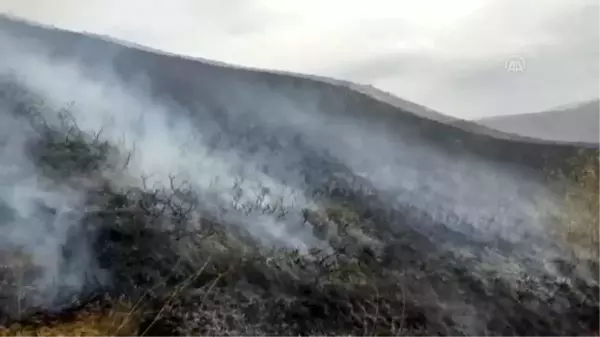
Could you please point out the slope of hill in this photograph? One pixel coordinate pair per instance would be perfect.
(177, 196)
(163, 69)
(577, 123)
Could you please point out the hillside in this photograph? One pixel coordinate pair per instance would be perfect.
(180, 79)
(578, 123)
(151, 194)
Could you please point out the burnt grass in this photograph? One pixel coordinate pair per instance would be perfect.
(186, 274)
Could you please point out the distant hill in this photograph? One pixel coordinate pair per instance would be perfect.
(575, 123)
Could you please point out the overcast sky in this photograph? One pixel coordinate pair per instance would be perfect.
(450, 55)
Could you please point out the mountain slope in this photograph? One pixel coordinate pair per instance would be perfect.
(180, 79)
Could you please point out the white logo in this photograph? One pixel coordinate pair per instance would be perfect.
(515, 65)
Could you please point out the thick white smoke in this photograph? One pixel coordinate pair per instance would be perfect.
(163, 143)
(37, 218)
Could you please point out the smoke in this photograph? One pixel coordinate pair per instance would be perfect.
(164, 146)
(38, 219)
(498, 200)
(163, 143)
(255, 158)
(488, 202)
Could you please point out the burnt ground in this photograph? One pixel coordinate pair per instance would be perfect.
(187, 275)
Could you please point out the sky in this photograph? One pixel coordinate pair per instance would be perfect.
(465, 58)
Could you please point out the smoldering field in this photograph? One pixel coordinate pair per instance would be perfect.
(279, 217)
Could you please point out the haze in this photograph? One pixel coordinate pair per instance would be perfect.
(447, 55)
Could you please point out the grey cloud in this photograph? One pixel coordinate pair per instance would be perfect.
(459, 69)
(562, 70)
(561, 58)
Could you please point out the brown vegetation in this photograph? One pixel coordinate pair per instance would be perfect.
(579, 224)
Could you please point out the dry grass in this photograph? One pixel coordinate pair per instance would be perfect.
(116, 321)
(582, 206)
